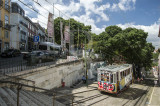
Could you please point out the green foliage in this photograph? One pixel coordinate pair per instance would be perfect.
(155, 55)
(74, 26)
(130, 43)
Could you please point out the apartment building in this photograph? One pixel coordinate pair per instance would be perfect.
(5, 26)
(19, 33)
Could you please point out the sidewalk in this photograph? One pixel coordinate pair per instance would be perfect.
(155, 96)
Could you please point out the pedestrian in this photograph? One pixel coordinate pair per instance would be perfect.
(143, 76)
(84, 79)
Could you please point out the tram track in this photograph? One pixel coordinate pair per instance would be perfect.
(85, 99)
(137, 102)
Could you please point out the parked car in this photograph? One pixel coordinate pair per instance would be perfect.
(11, 53)
(35, 57)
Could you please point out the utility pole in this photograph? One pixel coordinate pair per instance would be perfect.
(53, 25)
(78, 42)
(86, 63)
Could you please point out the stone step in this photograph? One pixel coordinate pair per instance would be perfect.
(6, 97)
(27, 100)
(14, 96)
(2, 103)
(25, 93)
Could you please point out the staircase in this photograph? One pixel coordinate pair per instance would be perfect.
(8, 97)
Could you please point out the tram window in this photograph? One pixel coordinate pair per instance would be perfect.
(128, 71)
(107, 77)
(102, 77)
(111, 76)
(117, 76)
(121, 75)
(125, 73)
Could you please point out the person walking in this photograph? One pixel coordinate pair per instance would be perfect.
(84, 79)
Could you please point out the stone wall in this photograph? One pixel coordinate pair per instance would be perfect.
(52, 76)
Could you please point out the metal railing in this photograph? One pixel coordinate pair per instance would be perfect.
(54, 93)
(17, 79)
(13, 66)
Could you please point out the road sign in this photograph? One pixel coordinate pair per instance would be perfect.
(36, 38)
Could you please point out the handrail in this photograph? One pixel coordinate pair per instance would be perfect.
(45, 89)
(19, 78)
(53, 92)
(29, 86)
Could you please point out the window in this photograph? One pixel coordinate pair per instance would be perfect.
(6, 19)
(6, 45)
(0, 15)
(111, 77)
(42, 47)
(0, 32)
(6, 34)
(6, 4)
(19, 11)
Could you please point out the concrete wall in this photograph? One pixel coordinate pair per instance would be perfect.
(51, 77)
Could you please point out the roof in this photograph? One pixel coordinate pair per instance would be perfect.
(115, 68)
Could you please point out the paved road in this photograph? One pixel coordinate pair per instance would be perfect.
(136, 95)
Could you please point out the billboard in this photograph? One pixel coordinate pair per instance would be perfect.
(67, 34)
(50, 26)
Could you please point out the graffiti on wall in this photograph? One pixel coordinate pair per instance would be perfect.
(106, 86)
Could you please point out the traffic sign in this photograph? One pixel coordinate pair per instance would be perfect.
(36, 38)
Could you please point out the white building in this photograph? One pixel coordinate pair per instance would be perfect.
(18, 35)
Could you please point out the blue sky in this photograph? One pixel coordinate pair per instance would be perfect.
(141, 14)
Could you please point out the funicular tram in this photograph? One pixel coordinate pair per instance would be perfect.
(114, 78)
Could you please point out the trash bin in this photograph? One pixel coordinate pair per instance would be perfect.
(63, 84)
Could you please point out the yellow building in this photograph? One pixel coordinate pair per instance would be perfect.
(4, 24)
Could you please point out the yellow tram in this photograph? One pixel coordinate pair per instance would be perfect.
(114, 78)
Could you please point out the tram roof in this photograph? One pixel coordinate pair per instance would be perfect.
(115, 68)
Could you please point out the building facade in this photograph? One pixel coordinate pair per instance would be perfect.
(41, 32)
(19, 33)
(5, 26)
(32, 31)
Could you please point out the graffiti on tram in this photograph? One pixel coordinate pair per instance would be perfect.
(106, 86)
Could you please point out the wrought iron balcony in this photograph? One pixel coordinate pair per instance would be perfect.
(1, 23)
(7, 26)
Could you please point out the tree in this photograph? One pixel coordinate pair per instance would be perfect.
(113, 30)
(74, 26)
(130, 43)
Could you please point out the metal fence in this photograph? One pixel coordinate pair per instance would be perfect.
(13, 66)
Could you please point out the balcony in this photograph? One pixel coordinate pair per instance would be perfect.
(7, 7)
(24, 24)
(1, 3)
(7, 27)
(1, 23)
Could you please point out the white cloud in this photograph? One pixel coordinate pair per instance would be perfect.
(124, 5)
(152, 31)
(89, 6)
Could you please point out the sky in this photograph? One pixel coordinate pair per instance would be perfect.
(141, 14)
